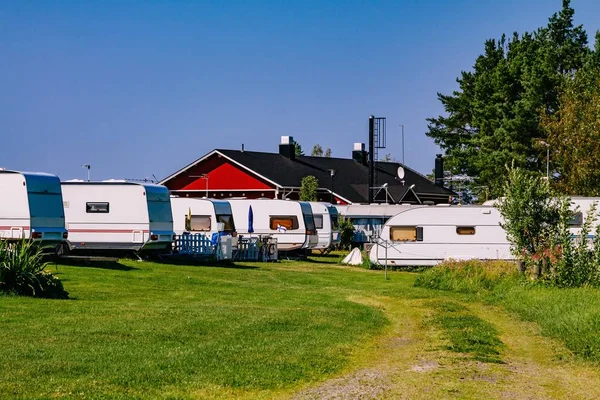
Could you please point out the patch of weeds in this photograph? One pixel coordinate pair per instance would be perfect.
(467, 333)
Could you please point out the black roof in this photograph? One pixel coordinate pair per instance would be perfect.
(351, 177)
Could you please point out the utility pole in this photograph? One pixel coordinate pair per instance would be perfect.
(402, 125)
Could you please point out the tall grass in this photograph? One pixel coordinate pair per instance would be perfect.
(571, 315)
(23, 271)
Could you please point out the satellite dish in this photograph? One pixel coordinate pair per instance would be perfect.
(400, 172)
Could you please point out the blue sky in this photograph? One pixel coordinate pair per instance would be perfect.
(143, 88)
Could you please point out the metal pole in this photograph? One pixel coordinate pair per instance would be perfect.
(88, 172)
(371, 157)
(386, 261)
(331, 197)
(206, 177)
(402, 125)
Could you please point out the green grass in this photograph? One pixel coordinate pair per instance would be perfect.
(149, 330)
(467, 333)
(569, 315)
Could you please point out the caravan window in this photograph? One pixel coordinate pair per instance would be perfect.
(199, 223)
(576, 220)
(335, 222)
(286, 221)
(96, 207)
(318, 221)
(227, 220)
(465, 230)
(403, 233)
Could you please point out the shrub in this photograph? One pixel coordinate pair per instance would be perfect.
(346, 233)
(22, 272)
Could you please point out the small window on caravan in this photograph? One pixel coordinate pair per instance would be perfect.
(576, 220)
(403, 233)
(465, 230)
(199, 223)
(227, 220)
(96, 207)
(318, 221)
(289, 222)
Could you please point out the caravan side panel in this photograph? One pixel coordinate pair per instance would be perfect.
(106, 217)
(265, 213)
(15, 221)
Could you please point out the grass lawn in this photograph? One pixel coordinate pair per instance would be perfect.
(294, 329)
(150, 330)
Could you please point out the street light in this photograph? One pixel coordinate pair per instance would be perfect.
(332, 174)
(547, 157)
(203, 176)
(88, 166)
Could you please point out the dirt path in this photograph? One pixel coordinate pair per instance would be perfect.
(410, 363)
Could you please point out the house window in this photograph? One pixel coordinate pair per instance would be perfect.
(465, 230)
(198, 223)
(96, 208)
(283, 221)
(318, 221)
(576, 220)
(403, 233)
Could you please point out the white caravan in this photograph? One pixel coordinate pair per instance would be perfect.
(117, 215)
(290, 222)
(581, 207)
(201, 216)
(368, 219)
(327, 225)
(31, 208)
(430, 235)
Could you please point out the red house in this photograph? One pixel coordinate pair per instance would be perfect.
(224, 174)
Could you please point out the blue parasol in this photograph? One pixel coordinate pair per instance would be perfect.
(250, 220)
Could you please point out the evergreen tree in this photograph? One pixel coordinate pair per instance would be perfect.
(493, 120)
(317, 151)
(328, 153)
(298, 149)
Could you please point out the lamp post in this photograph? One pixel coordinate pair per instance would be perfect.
(88, 166)
(203, 176)
(332, 174)
(402, 125)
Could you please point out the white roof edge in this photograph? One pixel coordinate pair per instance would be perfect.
(12, 171)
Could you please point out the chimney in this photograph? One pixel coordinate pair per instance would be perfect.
(359, 154)
(439, 170)
(287, 147)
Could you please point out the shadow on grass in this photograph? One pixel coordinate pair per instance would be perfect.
(102, 263)
(201, 262)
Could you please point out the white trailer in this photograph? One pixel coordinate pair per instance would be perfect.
(430, 235)
(195, 215)
(368, 219)
(113, 216)
(31, 208)
(290, 222)
(327, 225)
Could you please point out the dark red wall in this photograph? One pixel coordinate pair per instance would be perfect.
(223, 175)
